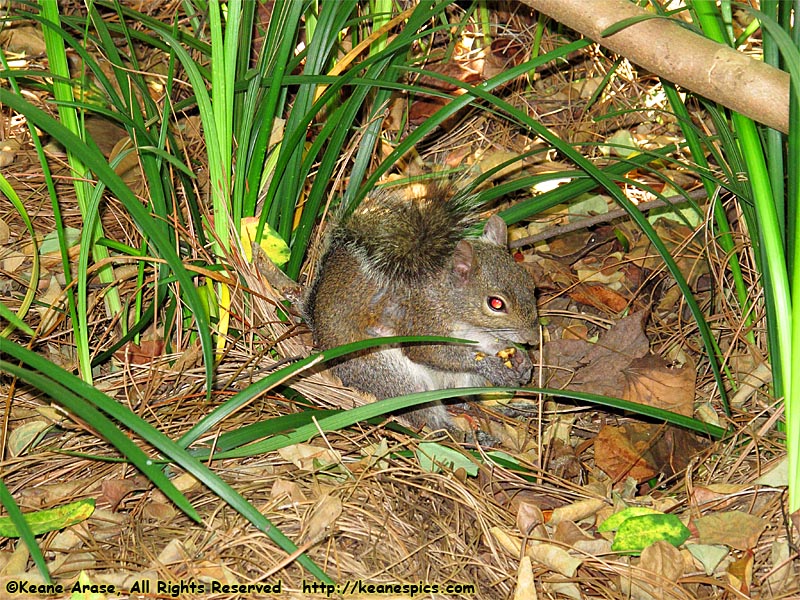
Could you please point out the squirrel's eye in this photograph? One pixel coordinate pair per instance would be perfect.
(496, 304)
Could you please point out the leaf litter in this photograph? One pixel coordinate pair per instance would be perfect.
(524, 526)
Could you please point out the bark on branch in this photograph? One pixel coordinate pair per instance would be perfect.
(663, 47)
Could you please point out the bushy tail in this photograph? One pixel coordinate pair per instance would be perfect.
(402, 238)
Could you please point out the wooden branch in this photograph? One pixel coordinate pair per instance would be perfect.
(671, 51)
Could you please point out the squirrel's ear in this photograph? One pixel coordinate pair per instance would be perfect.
(495, 231)
(463, 260)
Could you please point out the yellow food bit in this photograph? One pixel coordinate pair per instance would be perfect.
(479, 356)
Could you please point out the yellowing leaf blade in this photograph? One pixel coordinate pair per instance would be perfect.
(51, 519)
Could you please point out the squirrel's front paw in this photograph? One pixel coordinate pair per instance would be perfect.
(508, 368)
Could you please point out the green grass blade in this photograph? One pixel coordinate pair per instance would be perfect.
(62, 90)
(240, 399)
(81, 399)
(346, 418)
(95, 161)
(15, 319)
(104, 427)
(25, 533)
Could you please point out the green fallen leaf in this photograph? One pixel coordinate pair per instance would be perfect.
(51, 519)
(613, 522)
(272, 243)
(51, 243)
(432, 457)
(637, 533)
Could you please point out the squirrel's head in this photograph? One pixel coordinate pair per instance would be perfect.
(498, 294)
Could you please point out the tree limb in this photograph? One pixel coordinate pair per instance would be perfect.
(671, 51)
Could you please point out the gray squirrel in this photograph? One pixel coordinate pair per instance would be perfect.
(408, 267)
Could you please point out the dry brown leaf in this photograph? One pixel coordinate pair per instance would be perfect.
(740, 573)
(526, 587)
(51, 494)
(8, 152)
(530, 520)
(781, 575)
(673, 448)
(501, 55)
(556, 589)
(283, 488)
(617, 455)
(49, 307)
(648, 380)
(508, 542)
(107, 134)
(17, 561)
(554, 558)
(613, 352)
(13, 260)
(114, 490)
(568, 533)
(661, 564)
(715, 495)
(210, 570)
(175, 552)
(160, 512)
(185, 482)
(577, 511)
(26, 40)
(309, 457)
(599, 296)
(140, 354)
(22, 437)
(321, 518)
(735, 528)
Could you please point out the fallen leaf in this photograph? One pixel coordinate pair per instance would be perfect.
(660, 565)
(50, 519)
(49, 305)
(781, 576)
(569, 534)
(619, 457)
(715, 495)
(613, 352)
(8, 152)
(108, 135)
(554, 558)
(613, 522)
(26, 40)
(115, 490)
(502, 54)
(530, 520)
(555, 589)
(432, 457)
(526, 587)
(709, 555)
(289, 490)
(648, 380)
(740, 573)
(577, 511)
(23, 437)
(735, 528)
(634, 535)
(308, 457)
(160, 512)
(143, 353)
(320, 518)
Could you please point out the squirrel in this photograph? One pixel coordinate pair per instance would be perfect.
(400, 267)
